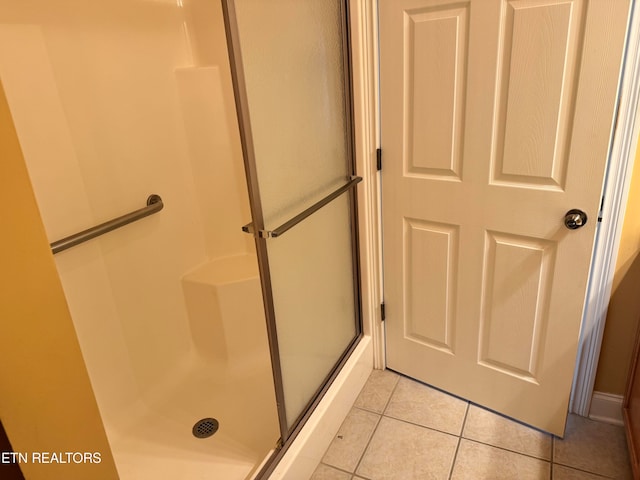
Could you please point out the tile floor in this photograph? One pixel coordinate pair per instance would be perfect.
(401, 429)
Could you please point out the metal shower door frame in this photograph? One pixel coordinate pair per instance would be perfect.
(257, 226)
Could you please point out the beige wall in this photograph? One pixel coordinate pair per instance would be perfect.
(624, 306)
(46, 400)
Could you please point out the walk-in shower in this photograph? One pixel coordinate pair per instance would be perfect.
(126, 115)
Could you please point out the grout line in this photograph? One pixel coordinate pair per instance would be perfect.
(455, 455)
(366, 447)
(363, 451)
(464, 420)
(386, 404)
(380, 415)
(600, 475)
(510, 419)
(393, 391)
(336, 468)
(508, 450)
(423, 426)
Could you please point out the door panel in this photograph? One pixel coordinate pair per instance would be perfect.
(516, 285)
(537, 87)
(496, 118)
(292, 84)
(432, 103)
(293, 60)
(431, 251)
(313, 293)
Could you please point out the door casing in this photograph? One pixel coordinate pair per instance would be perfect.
(621, 160)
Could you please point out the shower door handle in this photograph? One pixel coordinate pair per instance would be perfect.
(249, 228)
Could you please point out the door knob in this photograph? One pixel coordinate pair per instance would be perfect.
(574, 219)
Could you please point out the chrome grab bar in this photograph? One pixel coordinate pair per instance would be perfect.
(154, 205)
(248, 228)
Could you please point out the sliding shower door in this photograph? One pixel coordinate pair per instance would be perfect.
(291, 72)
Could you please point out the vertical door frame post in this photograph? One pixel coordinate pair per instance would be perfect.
(624, 142)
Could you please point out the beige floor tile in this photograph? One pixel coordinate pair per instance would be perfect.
(351, 440)
(325, 472)
(376, 392)
(488, 427)
(402, 451)
(417, 403)
(565, 473)
(594, 447)
(476, 461)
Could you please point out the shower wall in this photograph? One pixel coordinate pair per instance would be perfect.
(36, 335)
(114, 100)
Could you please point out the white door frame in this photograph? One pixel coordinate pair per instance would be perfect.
(364, 60)
(616, 190)
(622, 154)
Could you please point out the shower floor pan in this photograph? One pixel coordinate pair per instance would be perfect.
(156, 441)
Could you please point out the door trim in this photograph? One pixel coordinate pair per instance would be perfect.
(364, 59)
(616, 190)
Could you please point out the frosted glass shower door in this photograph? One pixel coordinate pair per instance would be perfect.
(290, 67)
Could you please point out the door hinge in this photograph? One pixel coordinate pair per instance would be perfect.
(601, 209)
(379, 159)
(383, 314)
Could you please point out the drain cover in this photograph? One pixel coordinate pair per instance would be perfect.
(205, 428)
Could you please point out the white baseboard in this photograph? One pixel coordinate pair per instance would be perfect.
(607, 408)
(302, 458)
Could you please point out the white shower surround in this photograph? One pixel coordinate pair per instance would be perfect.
(93, 156)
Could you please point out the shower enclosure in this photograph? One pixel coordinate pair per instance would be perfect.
(116, 100)
(290, 67)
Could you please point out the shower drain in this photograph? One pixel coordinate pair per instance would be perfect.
(205, 428)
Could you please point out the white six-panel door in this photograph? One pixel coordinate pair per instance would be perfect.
(496, 118)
